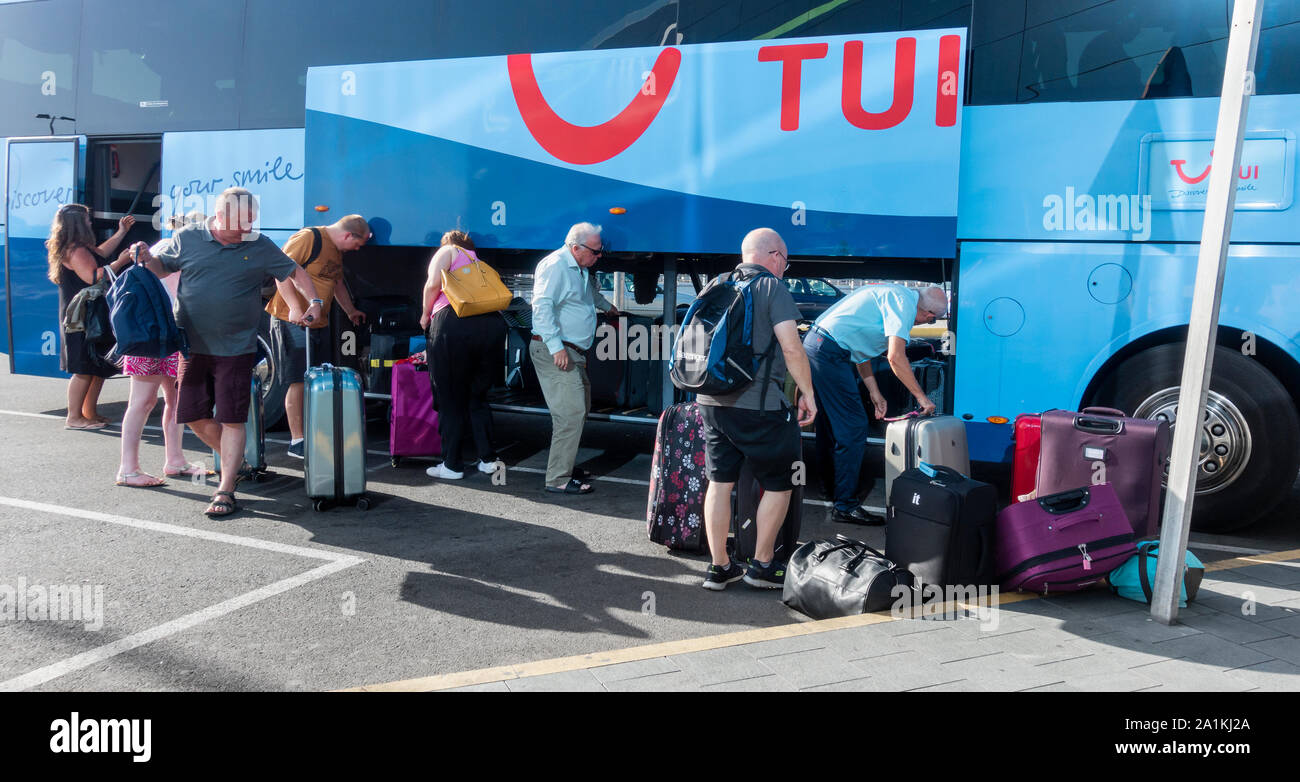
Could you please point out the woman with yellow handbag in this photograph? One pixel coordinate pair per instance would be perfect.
(462, 297)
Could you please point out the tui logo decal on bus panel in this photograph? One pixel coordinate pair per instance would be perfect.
(1176, 170)
(849, 144)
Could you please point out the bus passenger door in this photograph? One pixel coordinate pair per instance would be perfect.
(41, 175)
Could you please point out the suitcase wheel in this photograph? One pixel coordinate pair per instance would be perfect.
(396, 461)
(363, 503)
(260, 477)
(319, 505)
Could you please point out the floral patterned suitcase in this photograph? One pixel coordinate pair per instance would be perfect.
(675, 510)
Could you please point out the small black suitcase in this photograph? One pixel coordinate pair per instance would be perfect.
(744, 524)
(941, 527)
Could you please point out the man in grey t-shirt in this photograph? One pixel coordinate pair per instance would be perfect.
(222, 264)
(755, 425)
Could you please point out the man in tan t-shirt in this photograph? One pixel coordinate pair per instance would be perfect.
(320, 251)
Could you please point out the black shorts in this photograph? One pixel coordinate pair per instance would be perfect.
(768, 440)
(221, 382)
(289, 342)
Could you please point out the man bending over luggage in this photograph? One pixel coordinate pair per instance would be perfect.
(755, 424)
(863, 324)
(565, 300)
(222, 263)
(319, 251)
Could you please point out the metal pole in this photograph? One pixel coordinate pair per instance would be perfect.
(1238, 85)
(670, 319)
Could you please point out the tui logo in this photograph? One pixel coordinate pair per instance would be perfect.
(585, 145)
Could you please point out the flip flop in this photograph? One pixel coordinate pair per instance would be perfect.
(87, 428)
(214, 507)
(188, 471)
(574, 486)
(123, 479)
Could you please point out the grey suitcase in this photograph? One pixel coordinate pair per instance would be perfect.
(937, 440)
(334, 425)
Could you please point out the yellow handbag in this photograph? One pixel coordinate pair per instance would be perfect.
(475, 289)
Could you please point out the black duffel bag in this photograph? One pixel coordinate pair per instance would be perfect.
(841, 577)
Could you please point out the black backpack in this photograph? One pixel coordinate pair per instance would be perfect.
(714, 352)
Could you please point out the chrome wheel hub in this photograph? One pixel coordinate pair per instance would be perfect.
(1225, 436)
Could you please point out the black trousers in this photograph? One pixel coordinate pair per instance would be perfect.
(464, 356)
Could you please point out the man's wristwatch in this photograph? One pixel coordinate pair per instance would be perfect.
(318, 301)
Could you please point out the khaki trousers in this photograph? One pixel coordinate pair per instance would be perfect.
(568, 396)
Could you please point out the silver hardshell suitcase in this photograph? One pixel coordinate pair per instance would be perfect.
(936, 440)
(334, 427)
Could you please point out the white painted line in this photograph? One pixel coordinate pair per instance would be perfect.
(335, 562)
(608, 478)
(173, 529)
(100, 654)
(33, 415)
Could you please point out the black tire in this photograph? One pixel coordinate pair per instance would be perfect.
(1258, 465)
(363, 503)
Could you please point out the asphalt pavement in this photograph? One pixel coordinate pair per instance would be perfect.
(469, 584)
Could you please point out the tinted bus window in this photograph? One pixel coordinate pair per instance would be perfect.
(726, 20)
(284, 37)
(148, 66)
(1026, 51)
(38, 66)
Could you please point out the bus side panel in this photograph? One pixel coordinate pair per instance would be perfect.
(1122, 171)
(197, 166)
(1038, 320)
(674, 149)
(4, 295)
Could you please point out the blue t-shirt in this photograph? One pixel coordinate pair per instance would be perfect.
(863, 321)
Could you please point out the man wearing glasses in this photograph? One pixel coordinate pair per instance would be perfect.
(565, 300)
(320, 252)
(872, 320)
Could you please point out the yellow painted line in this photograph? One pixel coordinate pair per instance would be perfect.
(583, 662)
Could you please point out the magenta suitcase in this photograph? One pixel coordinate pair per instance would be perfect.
(414, 422)
(1063, 542)
(1101, 445)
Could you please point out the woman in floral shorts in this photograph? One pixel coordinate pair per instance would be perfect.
(147, 375)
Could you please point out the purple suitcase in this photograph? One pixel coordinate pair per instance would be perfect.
(1134, 451)
(414, 422)
(1063, 542)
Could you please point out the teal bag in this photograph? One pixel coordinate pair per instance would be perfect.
(1134, 578)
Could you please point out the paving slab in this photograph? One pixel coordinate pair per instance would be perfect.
(1187, 676)
(568, 681)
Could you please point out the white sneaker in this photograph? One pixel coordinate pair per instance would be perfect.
(489, 468)
(442, 471)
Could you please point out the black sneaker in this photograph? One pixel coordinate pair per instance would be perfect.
(295, 449)
(717, 577)
(770, 576)
(858, 516)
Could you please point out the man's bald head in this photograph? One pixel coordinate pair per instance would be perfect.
(766, 248)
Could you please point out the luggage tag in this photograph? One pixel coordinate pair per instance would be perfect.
(1094, 453)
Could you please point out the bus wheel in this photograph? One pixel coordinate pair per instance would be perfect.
(1248, 459)
(273, 380)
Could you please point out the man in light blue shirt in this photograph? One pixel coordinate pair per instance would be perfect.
(872, 320)
(565, 301)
